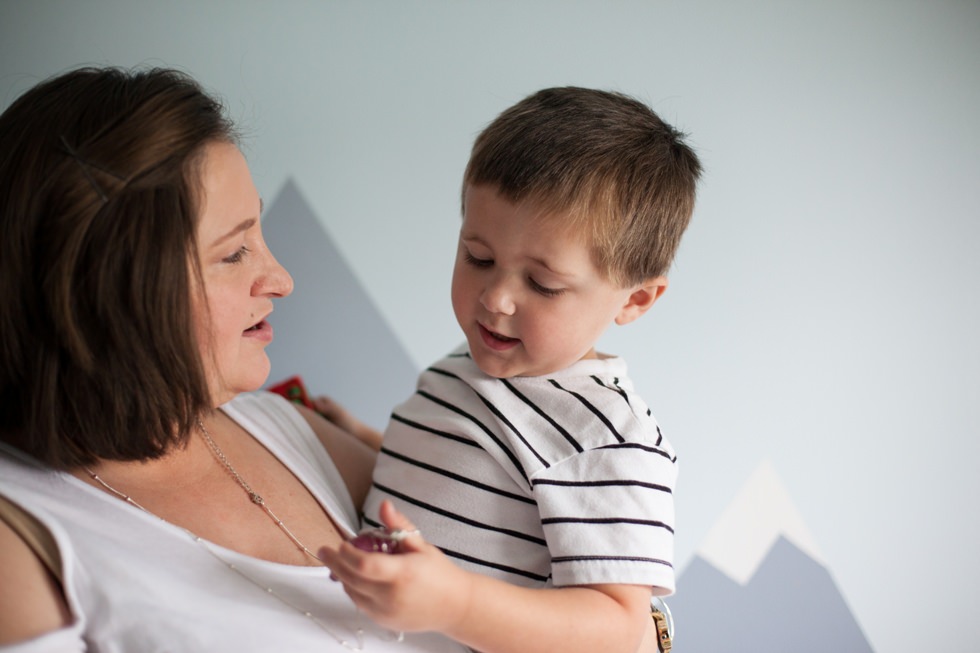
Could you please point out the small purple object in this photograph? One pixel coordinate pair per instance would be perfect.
(380, 540)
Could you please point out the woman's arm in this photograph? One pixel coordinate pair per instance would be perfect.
(352, 456)
(340, 416)
(421, 589)
(31, 602)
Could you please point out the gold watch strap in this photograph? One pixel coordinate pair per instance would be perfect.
(663, 633)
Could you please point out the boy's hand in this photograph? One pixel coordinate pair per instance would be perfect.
(416, 589)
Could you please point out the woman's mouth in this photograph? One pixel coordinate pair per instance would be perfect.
(261, 331)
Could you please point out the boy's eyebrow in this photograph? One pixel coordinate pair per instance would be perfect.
(543, 263)
(473, 238)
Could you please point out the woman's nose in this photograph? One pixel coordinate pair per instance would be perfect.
(275, 280)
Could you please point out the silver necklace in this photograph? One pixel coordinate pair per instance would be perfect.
(256, 499)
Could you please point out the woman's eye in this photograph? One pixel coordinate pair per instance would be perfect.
(544, 290)
(238, 256)
(478, 262)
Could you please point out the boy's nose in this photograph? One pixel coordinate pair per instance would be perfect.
(496, 298)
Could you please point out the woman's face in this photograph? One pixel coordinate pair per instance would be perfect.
(240, 275)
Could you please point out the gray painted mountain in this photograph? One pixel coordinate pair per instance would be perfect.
(790, 605)
(329, 331)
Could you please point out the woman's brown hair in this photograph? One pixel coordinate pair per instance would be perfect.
(98, 212)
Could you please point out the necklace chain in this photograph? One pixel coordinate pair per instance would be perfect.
(254, 496)
(259, 501)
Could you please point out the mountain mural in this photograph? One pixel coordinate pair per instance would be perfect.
(790, 605)
(328, 331)
(757, 584)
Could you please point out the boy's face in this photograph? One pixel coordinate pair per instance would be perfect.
(527, 295)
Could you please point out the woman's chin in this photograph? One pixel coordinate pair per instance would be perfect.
(225, 391)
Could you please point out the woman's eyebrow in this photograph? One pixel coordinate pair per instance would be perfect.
(242, 226)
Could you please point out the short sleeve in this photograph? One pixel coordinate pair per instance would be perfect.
(608, 516)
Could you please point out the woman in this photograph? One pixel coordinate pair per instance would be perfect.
(136, 290)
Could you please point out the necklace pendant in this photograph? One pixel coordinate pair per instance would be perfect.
(256, 499)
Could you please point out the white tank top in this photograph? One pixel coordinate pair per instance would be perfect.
(136, 583)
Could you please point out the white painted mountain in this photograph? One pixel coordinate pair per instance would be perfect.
(757, 584)
(760, 513)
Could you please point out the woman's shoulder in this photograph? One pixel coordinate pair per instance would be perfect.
(31, 600)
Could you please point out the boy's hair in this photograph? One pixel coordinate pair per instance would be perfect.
(602, 162)
(99, 195)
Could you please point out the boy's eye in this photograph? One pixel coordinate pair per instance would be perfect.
(544, 290)
(238, 256)
(478, 262)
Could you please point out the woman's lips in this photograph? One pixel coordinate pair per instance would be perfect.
(496, 341)
(261, 331)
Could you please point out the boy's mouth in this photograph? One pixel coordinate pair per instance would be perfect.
(496, 340)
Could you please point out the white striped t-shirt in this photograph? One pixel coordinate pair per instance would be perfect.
(556, 480)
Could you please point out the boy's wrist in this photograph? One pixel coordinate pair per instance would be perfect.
(460, 628)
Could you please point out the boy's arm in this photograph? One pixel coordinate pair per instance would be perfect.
(503, 618)
(421, 589)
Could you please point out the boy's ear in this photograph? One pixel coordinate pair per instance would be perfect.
(641, 299)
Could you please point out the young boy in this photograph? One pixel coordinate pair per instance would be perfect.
(525, 455)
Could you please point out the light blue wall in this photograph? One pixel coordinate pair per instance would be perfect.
(823, 310)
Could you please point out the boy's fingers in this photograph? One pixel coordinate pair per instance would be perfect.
(325, 406)
(330, 558)
(409, 537)
(393, 519)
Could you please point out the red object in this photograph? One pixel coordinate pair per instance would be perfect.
(293, 390)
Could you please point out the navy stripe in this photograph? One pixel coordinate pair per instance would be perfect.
(429, 429)
(652, 486)
(510, 454)
(477, 561)
(457, 477)
(615, 388)
(607, 520)
(592, 408)
(644, 447)
(493, 565)
(460, 518)
(545, 416)
(527, 445)
(657, 561)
